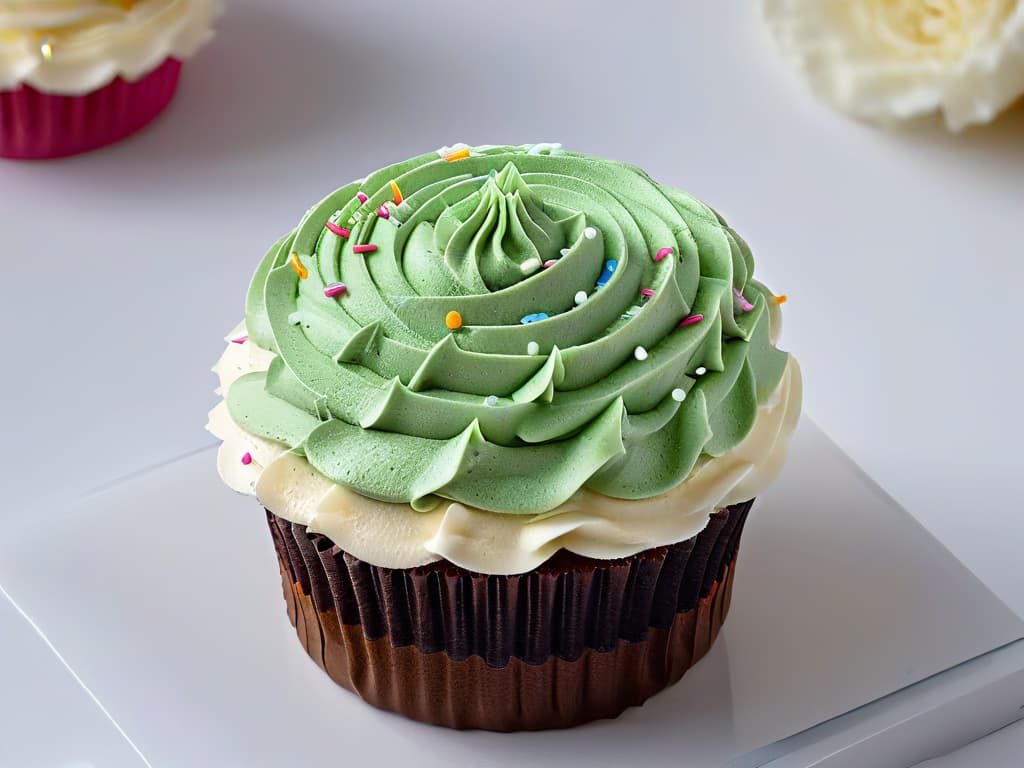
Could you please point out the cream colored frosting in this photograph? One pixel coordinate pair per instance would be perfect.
(75, 46)
(589, 523)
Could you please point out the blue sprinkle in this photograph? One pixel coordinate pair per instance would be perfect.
(609, 269)
(535, 317)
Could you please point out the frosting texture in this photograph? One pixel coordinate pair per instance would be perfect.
(588, 523)
(75, 46)
(517, 325)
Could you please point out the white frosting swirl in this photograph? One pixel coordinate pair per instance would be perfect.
(72, 47)
(589, 523)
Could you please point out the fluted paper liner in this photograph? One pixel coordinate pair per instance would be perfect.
(574, 640)
(35, 125)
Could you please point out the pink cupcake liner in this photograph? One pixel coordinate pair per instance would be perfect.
(36, 125)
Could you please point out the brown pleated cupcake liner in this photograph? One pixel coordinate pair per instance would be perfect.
(573, 640)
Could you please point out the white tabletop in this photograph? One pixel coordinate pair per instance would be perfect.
(898, 250)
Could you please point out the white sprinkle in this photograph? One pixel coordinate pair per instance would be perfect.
(632, 311)
(530, 265)
(445, 151)
(491, 400)
(294, 318)
(545, 147)
(46, 48)
(533, 348)
(590, 233)
(580, 297)
(640, 353)
(701, 371)
(564, 251)
(678, 395)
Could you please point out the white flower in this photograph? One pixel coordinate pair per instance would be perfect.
(887, 60)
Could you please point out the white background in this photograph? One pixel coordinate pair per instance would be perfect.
(900, 252)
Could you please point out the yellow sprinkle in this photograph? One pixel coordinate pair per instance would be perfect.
(781, 299)
(302, 272)
(453, 320)
(46, 48)
(397, 193)
(460, 155)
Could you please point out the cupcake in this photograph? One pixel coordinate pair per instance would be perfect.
(507, 409)
(76, 75)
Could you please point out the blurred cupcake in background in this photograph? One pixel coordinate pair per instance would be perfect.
(76, 75)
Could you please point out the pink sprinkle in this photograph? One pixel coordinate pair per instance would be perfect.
(334, 289)
(747, 306)
(247, 458)
(361, 196)
(663, 252)
(691, 320)
(646, 292)
(339, 231)
(550, 263)
(240, 340)
(368, 248)
(383, 212)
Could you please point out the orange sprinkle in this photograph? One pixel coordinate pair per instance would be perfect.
(453, 320)
(460, 155)
(397, 193)
(781, 299)
(302, 272)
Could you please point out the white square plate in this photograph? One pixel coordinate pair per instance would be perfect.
(840, 598)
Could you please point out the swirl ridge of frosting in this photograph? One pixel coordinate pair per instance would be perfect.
(610, 334)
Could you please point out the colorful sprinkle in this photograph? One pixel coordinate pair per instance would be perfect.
(580, 297)
(781, 299)
(678, 394)
(383, 211)
(646, 292)
(530, 266)
(240, 340)
(746, 305)
(609, 269)
(367, 248)
(491, 400)
(663, 252)
(46, 48)
(247, 458)
(590, 233)
(701, 370)
(550, 263)
(640, 354)
(339, 231)
(300, 270)
(334, 289)
(459, 154)
(453, 320)
(361, 196)
(397, 193)
(691, 320)
(533, 348)
(534, 318)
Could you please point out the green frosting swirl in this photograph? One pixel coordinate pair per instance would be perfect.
(381, 397)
